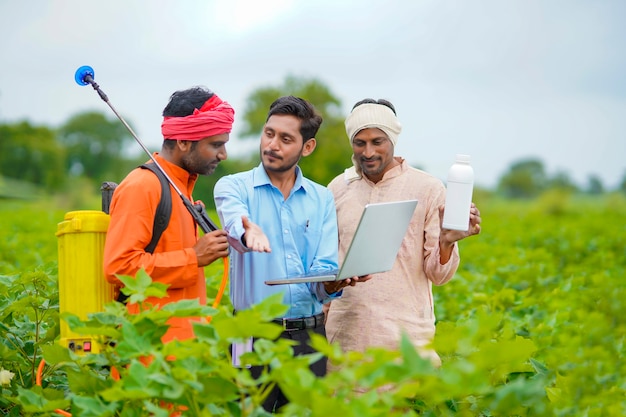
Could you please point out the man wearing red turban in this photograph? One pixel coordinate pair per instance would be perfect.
(196, 127)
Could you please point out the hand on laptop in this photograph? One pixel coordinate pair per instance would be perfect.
(334, 286)
(254, 238)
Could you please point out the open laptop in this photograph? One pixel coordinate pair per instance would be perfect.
(375, 244)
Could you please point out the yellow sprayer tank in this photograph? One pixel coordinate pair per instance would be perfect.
(82, 286)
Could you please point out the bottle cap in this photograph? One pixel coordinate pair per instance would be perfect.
(463, 158)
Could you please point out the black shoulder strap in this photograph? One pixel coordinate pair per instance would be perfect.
(161, 217)
(164, 209)
(107, 189)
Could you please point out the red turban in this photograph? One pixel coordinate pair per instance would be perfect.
(215, 117)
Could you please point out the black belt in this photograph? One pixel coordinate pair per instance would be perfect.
(301, 323)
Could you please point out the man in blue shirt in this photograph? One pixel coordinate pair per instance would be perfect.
(281, 224)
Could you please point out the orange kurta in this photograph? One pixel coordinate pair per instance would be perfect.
(174, 261)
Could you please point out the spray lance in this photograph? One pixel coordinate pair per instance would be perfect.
(85, 76)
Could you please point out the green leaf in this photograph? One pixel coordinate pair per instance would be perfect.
(188, 308)
(92, 407)
(412, 361)
(89, 327)
(539, 367)
(136, 343)
(218, 389)
(7, 354)
(84, 382)
(35, 401)
(134, 384)
(205, 332)
(155, 410)
(252, 322)
(244, 325)
(141, 287)
(55, 354)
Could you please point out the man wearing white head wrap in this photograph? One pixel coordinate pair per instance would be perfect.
(373, 115)
(400, 300)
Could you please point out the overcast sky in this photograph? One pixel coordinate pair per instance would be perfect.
(498, 80)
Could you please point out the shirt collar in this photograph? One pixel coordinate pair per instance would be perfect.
(175, 171)
(261, 178)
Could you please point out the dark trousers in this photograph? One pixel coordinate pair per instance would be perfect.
(276, 398)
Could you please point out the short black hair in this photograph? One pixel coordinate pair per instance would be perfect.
(380, 101)
(183, 102)
(310, 119)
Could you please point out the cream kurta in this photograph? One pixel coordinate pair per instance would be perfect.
(376, 312)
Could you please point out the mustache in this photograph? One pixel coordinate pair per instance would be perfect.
(374, 158)
(272, 154)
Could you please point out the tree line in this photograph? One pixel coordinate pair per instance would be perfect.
(91, 146)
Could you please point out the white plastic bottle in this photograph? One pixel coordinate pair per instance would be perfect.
(459, 194)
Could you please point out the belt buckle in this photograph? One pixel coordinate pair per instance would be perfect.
(294, 324)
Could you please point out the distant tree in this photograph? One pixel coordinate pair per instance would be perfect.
(594, 185)
(333, 151)
(332, 154)
(31, 153)
(95, 145)
(562, 181)
(525, 179)
(622, 184)
(204, 187)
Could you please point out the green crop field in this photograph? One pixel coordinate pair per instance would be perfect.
(533, 324)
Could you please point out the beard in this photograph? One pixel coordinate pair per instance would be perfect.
(279, 164)
(369, 170)
(195, 164)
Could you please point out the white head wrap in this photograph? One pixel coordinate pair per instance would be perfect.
(370, 115)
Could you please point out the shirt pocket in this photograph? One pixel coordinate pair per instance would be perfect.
(308, 243)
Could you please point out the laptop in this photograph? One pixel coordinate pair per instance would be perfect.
(374, 247)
